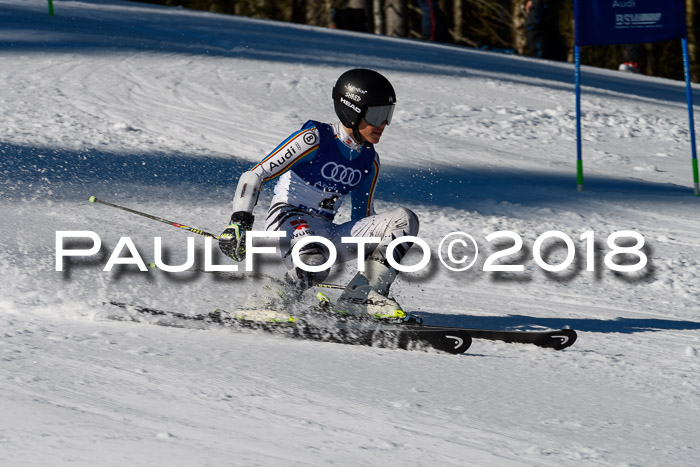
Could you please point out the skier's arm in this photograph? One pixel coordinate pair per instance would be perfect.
(247, 192)
(232, 239)
(300, 146)
(363, 195)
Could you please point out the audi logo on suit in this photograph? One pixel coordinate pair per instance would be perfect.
(341, 174)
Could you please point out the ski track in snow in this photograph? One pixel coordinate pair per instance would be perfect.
(160, 109)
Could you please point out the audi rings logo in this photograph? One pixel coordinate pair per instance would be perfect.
(341, 174)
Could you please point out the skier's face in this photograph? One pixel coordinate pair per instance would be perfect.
(371, 134)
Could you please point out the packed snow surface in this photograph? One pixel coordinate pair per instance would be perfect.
(161, 109)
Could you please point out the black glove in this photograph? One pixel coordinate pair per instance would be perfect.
(232, 239)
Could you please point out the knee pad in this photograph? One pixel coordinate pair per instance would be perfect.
(407, 221)
(404, 223)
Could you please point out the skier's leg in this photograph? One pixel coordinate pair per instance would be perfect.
(275, 300)
(298, 224)
(367, 292)
(311, 254)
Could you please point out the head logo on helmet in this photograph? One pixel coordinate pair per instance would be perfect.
(350, 104)
(358, 89)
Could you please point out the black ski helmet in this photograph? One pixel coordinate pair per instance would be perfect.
(358, 89)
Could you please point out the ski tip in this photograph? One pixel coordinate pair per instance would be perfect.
(562, 339)
(92, 199)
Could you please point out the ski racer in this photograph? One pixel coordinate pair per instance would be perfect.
(316, 169)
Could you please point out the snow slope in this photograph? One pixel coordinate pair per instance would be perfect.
(160, 109)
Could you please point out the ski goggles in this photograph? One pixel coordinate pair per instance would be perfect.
(379, 114)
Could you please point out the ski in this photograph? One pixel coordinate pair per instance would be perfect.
(410, 335)
(351, 332)
(551, 339)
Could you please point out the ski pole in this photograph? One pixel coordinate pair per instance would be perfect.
(93, 199)
(323, 285)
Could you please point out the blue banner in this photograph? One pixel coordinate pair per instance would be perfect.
(605, 22)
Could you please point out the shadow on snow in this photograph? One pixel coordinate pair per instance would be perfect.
(24, 171)
(618, 325)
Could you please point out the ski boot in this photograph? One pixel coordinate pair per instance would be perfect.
(325, 306)
(367, 294)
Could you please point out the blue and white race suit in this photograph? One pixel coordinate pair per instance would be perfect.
(316, 168)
